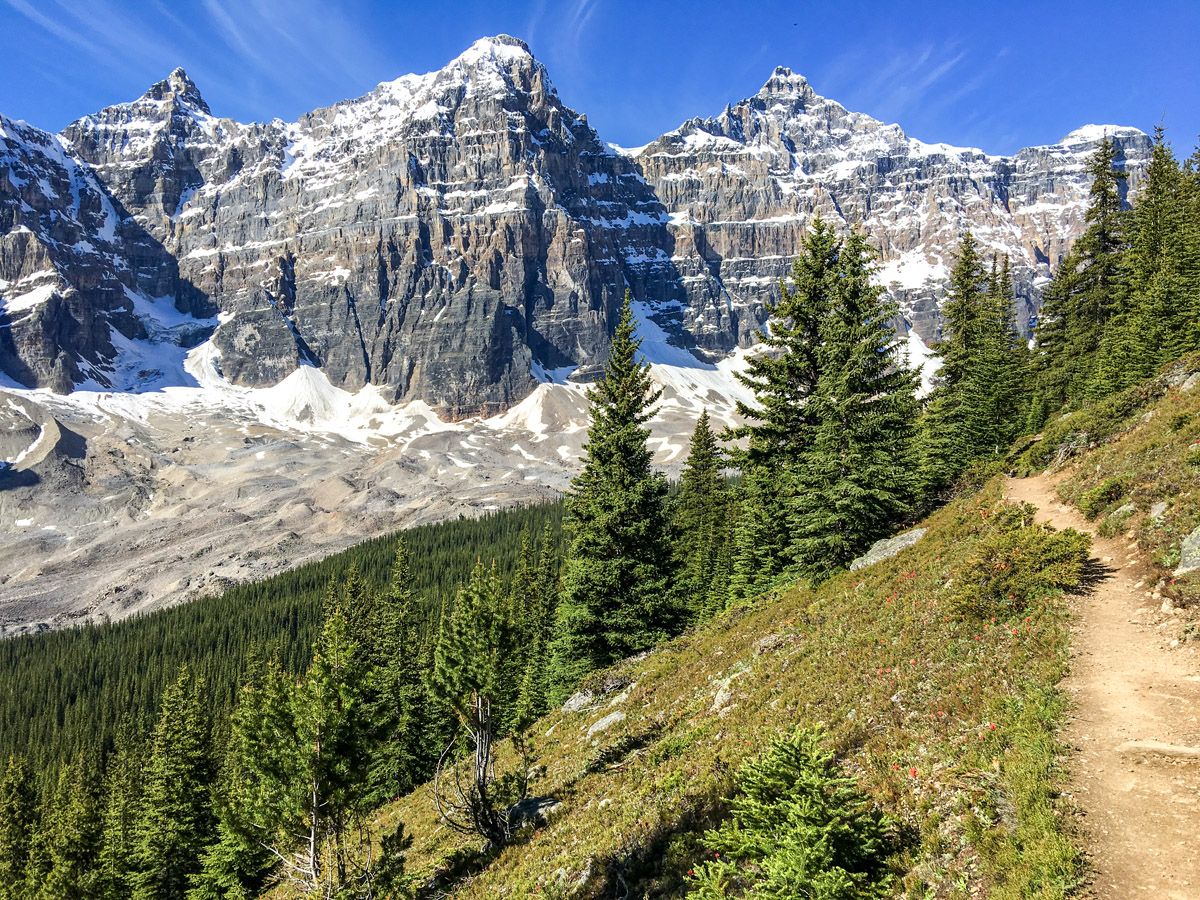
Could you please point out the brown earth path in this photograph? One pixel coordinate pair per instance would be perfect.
(1135, 726)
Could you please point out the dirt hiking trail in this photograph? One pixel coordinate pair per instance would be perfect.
(1134, 724)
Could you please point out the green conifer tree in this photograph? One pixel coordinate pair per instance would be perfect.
(17, 810)
(856, 479)
(237, 864)
(778, 424)
(801, 827)
(995, 388)
(783, 377)
(538, 595)
(69, 837)
(175, 821)
(468, 673)
(700, 518)
(945, 444)
(119, 817)
(759, 541)
(614, 600)
(1162, 276)
(1086, 291)
(396, 702)
(300, 757)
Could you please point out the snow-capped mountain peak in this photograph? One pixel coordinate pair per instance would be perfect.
(415, 283)
(785, 83)
(179, 87)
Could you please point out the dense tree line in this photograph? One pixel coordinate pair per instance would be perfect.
(212, 750)
(71, 692)
(1127, 297)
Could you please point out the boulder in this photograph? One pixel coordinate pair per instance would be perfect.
(1189, 554)
(887, 548)
(605, 723)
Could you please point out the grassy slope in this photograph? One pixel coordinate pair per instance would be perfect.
(1146, 450)
(947, 724)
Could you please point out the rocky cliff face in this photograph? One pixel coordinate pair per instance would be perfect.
(742, 187)
(452, 237)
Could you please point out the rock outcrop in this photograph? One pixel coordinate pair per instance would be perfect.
(453, 237)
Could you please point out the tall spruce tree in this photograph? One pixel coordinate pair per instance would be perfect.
(68, 837)
(701, 520)
(468, 679)
(995, 389)
(759, 540)
(300, 760)
(978, 404)
(1085, 294)
(535, 590)
(396, 697)
(331, 734)
(783, 377)
(856, 477)
(236, 865)
(615, 600)
(778, 424)
(119, 817)
(17, 811)
(1156, 319)
(175, 820)
(945, 443)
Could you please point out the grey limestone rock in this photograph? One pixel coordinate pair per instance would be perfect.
(1189, 554)
(887, 548)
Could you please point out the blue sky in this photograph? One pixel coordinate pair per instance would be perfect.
(993, 75)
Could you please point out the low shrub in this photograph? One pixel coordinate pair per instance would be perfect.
(1116, 520)
(800, 827)
(1018, 563)
(1180, 421)
(1095, 500)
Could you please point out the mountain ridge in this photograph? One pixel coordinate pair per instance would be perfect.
(223, 217)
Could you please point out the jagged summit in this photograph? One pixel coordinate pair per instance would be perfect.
(178, 85)
(491, 66)
(500, 46)
(487, 229)
(785, 82)
(1087, 134)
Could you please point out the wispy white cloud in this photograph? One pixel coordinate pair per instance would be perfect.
(50, 24)
(290, 54)
(229, 29)
(577, 20)
(904, 84)
(534, 23)
(298, 49)
(564, 29)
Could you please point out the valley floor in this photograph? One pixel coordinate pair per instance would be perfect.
(1134, 727)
